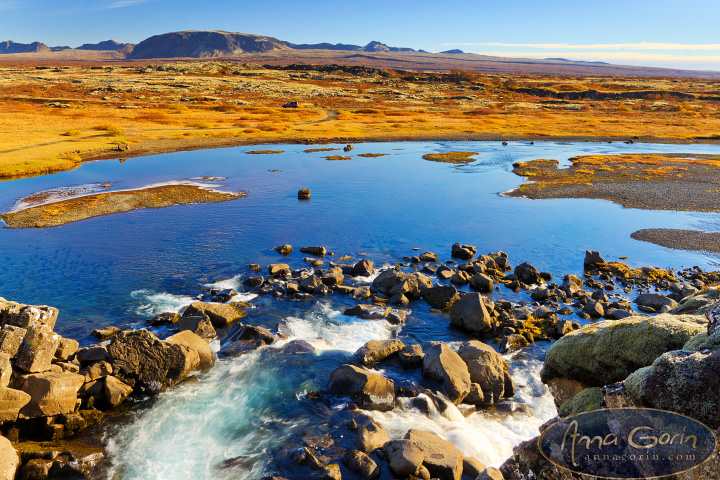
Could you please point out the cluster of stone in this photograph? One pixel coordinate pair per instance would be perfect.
(51, 389)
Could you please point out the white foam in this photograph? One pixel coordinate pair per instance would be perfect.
(234, 282)
(328, 329)
(151, 303)
(488, 437)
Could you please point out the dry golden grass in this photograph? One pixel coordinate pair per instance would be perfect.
(53, 119)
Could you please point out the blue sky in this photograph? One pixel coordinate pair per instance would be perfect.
(656, 33)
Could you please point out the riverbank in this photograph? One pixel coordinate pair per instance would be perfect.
(685, 182)
(680, 239)
(159, 146)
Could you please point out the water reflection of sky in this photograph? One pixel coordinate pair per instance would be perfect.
(383, 206)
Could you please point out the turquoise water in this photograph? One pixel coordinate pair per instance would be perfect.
(125, 268)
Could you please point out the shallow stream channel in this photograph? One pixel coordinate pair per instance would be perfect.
(240, 418)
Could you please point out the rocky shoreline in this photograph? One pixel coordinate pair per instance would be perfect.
(51, 389)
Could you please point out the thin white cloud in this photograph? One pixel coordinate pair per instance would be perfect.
(598, 46)
(606, 56)
(126, 3)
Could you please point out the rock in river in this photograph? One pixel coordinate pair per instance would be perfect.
(148, 364)
(447, 368)
(370, 390)
(470, 314)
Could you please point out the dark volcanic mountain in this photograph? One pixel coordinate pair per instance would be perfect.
(106, 45)
(370, 47)
(197, 44)
(324, 46)
(11, 47)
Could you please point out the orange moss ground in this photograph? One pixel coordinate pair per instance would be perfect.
(688, 182)
(55, 118)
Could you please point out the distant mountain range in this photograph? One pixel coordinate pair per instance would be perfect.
(202, 44)
(268, 50)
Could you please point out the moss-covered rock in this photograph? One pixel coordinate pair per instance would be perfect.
(703, 341)
(586, 401)
(607, 352)
(680, 381)
(698, 304)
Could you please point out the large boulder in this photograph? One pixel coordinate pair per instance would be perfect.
(440, 296)
(487, 368)
(447, 368)
(115, 391)
(463, 252)
(9, 459)
(404, 457)
(361, 465)
(375, 351)
(363, 268)
(51, 393)
(66, 349)
(656, 302)
(470, 314)
(442, 459)
(371, 437)
(189, 339)
(571, 284)
(481, 282)
(33, 315)
(198, 323)
(148, 364)
(607, 352)
(221, 314)
(370, 390)
(38, 349)
(526, 273)
(11, 402)
(5, 370)
(680, 381)
(11, 338)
